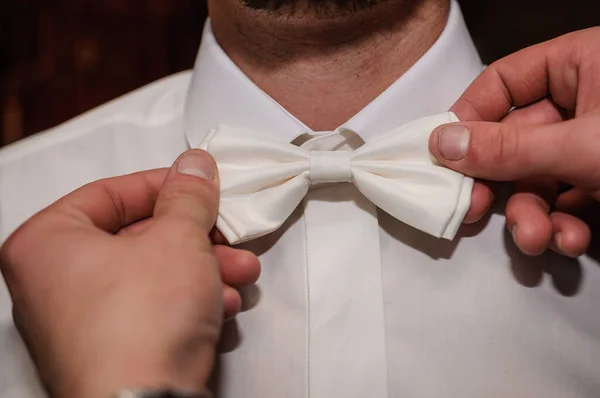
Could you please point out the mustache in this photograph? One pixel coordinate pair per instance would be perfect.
(343, 7)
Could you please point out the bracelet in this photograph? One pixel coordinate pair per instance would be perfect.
(160, 394)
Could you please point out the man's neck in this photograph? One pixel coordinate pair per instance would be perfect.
(324, 71)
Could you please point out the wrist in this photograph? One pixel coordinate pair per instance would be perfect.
(109, 379)
(131, 389)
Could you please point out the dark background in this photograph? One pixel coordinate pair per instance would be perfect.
(59, 58)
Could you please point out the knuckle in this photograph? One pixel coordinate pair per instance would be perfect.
(14, 249)
(585, 37)
(468, 106)
(504, 146)
(197, 203)
(495, 70)
(182, 233)
(6, 265)
(202, 194)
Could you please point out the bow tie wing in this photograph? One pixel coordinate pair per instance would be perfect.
(398, 174)
(262, 181)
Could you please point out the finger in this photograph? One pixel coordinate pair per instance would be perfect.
(492, 151)
(112, 203)
(530, 204)
(190, 193)
(527, 219)
(136, 228)
(579, 204)
(482, 199)
(232, 302)
(571, 236)
(533, 198)
(506, 152)
(542, 112)
(238, 267)
(217, 237)
(553, 67)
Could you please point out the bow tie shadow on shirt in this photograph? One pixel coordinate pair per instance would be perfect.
(565, 273)
(429, 245)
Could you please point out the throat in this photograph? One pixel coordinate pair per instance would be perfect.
(325, 71)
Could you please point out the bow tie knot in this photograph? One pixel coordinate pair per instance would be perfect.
(330, 167)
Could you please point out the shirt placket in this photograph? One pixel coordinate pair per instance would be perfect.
(346, 355)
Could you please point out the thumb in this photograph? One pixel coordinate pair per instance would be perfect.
(190, 192)
(565, 151)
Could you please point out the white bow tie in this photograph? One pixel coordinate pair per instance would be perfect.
(264, 180)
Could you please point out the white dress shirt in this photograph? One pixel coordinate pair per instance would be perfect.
(351, 302)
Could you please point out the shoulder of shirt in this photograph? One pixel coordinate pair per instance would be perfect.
(152, 105)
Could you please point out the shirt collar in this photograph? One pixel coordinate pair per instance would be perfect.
(221, 94)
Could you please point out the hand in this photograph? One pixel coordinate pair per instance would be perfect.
(103, 308)
(551, 136)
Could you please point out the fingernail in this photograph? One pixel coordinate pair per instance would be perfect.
(558, 241)
(453, 141)
(198, 164)
(513, 232)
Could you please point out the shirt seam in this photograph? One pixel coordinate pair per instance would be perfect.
(378, 213)
(307, 305)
